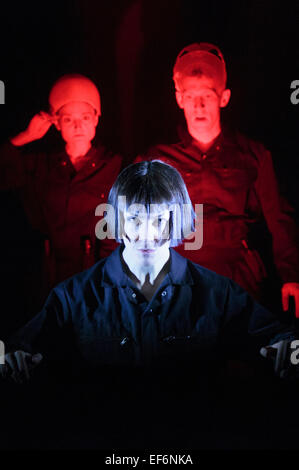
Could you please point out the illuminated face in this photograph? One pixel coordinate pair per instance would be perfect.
(77, 122)
(201, 104)
(146, 235)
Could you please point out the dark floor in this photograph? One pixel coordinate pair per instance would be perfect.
(229, 414)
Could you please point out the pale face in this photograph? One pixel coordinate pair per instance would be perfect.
(201, 104)
(77, 123)
(146, 234)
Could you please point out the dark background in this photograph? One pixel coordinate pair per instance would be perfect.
(129, 47)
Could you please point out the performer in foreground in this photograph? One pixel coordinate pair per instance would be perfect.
(146, 305)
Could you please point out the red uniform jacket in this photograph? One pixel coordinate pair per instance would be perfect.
(60, 202)
(236, 184)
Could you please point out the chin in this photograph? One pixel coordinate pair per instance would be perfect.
(79, 139)
(147, 258)
(201, 124)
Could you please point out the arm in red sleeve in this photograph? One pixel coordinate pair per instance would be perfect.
(279, 217)
(12, 167)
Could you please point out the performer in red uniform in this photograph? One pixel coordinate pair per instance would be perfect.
(232, 176)
(60, 191)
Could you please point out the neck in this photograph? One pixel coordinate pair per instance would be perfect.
(204, 139)
(146, 273)
(76, 150)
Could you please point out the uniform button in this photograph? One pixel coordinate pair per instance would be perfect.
(218, 147)
(124, 341)
(204, 157)
(102, 195)
(133, 295)
(150, 310)
(63, 163)
(188, 174)
(164, 293)
(93, 164)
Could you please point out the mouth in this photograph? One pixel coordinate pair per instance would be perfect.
(146, 251)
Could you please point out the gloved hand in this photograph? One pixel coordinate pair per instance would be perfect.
(19, 365)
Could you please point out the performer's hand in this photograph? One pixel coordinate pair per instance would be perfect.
(19, 365)
(37, 128)
(287, 290)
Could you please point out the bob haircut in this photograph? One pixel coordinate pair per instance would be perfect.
(147, 183)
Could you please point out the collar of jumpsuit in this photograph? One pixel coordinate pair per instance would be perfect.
(144, 315)
(114, 274)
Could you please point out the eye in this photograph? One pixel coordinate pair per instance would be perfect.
(87, 117)
(134, 219)
(66, 119)
(209, 96)
(159, 221)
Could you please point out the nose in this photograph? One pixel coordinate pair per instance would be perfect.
(147, 231)
(199, 103)
(77, 123)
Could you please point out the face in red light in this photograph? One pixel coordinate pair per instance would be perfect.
(77, 122)
(201, 103)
